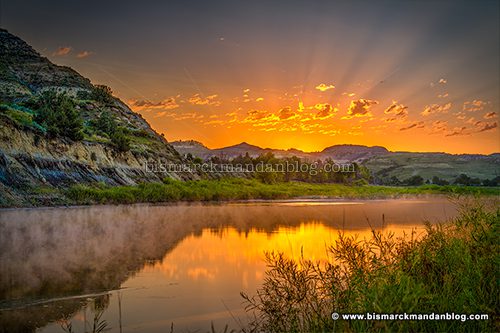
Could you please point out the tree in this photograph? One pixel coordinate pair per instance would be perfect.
(120, 140)
(58, 115)
(438, 181)
(414, 181)
(463, 179)
(106, 123)
(492, 182)
(102, 93)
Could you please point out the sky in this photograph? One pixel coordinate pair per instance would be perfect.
(406, 75)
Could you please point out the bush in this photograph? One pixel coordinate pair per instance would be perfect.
(120, 140)
(451, 269)
(414, 181)
(106, 123)
(58, 115)
(102, 94)
(438, 181)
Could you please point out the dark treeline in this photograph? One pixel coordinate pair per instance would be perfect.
(270, 169)
(461, 179)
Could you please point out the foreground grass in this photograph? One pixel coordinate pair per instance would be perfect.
(453, 268)
(244, 189)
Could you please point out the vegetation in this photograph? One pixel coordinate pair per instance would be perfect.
(270, 169)
(106, 125)
(102, 94)
(99, 93)
(56, 112)
(244, 189)
(396, 168)
(453, 268)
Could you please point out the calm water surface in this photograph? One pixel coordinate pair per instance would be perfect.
(141, 268)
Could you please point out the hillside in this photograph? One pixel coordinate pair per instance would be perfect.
(404, 165)
(382, 163)
(111, 144)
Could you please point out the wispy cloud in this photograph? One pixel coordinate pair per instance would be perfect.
(419, 124)
(84, 54)
(458, 131)
(490, 115)
(475, 105)
(325, 111)
(209, 100)
(166, 104)
(436, 108)
(62, 51)
(286, 113)
(360, 107)
(324, 87)
(396, 109)
(483, 127)
(439, 126)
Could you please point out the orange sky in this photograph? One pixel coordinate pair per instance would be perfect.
(407, 75)
(312, 120)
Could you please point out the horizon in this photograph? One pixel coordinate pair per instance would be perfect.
(321, 149)
(416, 77)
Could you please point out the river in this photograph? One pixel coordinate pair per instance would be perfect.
(144, 268)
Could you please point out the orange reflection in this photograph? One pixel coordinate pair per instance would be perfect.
(208, 256)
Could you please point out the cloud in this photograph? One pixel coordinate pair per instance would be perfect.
(348, 94)
(436, 108)
(487, 126)
(259, 99)
(324, 87)
(286, 113)
(62, 51)
(166, 104)
(475, 105)
(209, 100)
(399, 110)
(246, 91)
(443, 95)
(490, 115)
(419, 124)
(324, 111)
(458, 131)
(254, 115)
(439, 126)
(261, 118)
(84, 54)
(442, 81)
(360, 107)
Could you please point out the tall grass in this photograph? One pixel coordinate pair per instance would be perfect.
(452, 268)
(244, 189)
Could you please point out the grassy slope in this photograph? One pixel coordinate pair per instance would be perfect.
(243, 189)
(405, 165)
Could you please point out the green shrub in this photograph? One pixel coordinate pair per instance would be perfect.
(102, 94)
(451, 269)
(120, 140)
(58, 115)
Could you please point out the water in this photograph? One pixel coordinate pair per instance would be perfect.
(141, 268)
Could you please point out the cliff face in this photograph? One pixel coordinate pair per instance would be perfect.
(30, 159)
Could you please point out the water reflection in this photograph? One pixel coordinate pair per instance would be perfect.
(184, 264)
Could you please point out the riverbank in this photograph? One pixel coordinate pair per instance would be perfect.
(446, 279)
(242, 189)
(231, 189)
